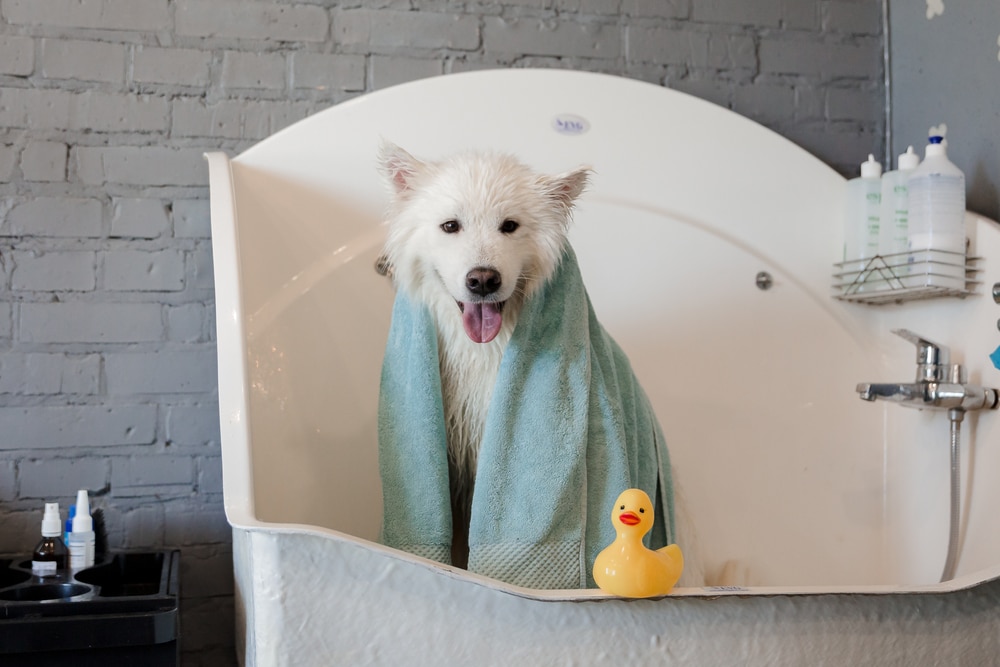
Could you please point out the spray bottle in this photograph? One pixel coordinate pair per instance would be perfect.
(50, 553)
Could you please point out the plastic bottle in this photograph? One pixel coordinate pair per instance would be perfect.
(81, 539)
(937, 219)
(861, 221)
(50, 553)
(894, 227)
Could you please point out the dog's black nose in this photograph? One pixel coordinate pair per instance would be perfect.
(482, 281)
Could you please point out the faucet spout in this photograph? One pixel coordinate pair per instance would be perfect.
(911, 394)
(932, 395)
(939, 385)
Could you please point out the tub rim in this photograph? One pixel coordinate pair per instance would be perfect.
(965, 582)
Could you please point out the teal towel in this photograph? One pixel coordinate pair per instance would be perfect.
(569, 428)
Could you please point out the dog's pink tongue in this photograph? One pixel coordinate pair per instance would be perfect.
(482, 321)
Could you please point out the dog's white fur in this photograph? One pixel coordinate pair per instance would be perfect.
(480, 192)
(501, 216)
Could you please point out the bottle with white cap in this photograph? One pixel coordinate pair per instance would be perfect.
(49, 555)
(894, 224)
(862, 216)
(81, 538)
(937, 217)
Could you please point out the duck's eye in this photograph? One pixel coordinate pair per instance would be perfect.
(622, 507)
(509, 226)
(451, 226)
(642, 511)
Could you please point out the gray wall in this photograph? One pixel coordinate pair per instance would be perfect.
(946, 69)
(107, 366)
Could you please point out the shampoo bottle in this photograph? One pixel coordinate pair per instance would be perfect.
(50, 553)
(81, 539)
(894, 223)
(861, 222)
(937, 219)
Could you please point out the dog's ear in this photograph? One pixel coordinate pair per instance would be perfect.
(398, 167)
(565, 188)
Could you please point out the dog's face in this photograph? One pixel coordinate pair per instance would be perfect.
(483, 227)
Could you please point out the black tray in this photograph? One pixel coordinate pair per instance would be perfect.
(126, 601)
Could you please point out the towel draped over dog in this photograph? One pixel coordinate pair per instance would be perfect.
(568, 429)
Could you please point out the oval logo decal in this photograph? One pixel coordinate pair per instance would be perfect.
(568, 123)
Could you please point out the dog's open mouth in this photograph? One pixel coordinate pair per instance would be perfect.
(482, 319)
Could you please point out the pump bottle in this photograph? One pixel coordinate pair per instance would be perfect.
(50, 553)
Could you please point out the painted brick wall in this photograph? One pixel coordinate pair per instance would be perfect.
(107, 357)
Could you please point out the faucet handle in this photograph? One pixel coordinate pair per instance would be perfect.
(932, 359)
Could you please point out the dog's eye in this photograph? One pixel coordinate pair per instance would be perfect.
(509, 226)
(451, 226)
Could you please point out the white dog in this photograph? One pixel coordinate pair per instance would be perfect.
(472, 237)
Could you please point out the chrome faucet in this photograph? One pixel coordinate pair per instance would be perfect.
(939, 385)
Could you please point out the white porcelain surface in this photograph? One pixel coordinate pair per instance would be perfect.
(787, 475)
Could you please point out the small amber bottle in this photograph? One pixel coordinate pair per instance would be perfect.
(50, 555)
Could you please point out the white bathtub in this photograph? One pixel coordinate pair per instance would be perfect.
(829, 514)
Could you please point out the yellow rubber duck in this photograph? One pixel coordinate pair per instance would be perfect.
(626, 567)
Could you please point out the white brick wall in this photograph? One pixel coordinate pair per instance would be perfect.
(241, 19)
(144, 270)
(70, 217)
(318, 71)
(540, 37)
(76, 426)
(141, 165)
(140, 218)
(59, 477)
(107, 357)
(183, 67)
(90, 322)
(189, 371)
(365, 29)
(8, 158)
(44, 161)
(17, 55)
(101, 14)
(83, 60)
(55, 271)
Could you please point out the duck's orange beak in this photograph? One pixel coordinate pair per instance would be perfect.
(629, 518)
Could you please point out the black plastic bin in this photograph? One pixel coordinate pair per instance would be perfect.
(123, 611)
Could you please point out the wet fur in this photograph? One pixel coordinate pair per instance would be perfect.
(480, 191)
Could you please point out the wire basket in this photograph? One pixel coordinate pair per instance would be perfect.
(906, 276)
